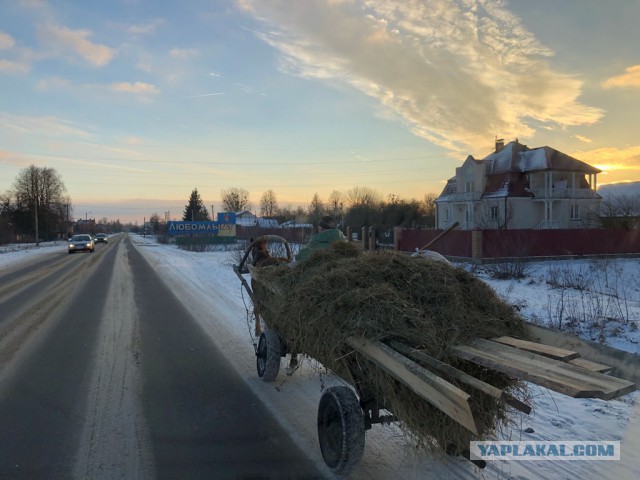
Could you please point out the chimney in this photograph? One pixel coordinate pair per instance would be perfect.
(499, 144)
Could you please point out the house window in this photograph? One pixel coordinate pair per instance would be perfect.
(447, 213)
(493, 213)
(468, 187)
(575, 212)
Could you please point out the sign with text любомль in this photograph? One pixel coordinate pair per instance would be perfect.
(225, 226)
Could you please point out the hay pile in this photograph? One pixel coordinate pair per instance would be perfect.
(425, 304)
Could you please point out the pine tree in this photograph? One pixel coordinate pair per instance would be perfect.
(195, 210)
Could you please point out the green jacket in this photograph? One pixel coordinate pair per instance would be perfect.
(320, 241)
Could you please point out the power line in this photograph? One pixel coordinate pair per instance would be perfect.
(242, 163)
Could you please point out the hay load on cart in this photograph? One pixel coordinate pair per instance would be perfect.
(320, 306)
(419, 341)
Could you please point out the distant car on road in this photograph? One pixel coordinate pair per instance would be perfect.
(101, 237)
(80, 243)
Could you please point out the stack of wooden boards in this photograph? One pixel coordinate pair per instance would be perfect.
(558, 369)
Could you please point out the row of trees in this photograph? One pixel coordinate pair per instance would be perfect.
(37, 208)
(357, 207)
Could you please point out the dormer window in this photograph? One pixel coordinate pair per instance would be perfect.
(468, 187)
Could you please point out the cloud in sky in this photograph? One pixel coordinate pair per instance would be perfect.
(64, 40)
(618, 164)
(458, 72)
(137, 88)
(46, 126)
(10, 66)
(146, 28)
(52, 83)
(183, 53)
(630, 79)
(6, 41)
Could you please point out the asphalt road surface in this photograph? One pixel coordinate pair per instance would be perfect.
(104, 375)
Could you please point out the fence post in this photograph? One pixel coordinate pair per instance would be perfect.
(349, 234)
(476, 245)
(365, 238)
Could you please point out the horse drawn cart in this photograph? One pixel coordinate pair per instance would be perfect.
(560, 362)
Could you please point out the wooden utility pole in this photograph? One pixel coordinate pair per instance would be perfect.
(36, 208)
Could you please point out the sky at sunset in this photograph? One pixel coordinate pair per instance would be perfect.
(137, 102)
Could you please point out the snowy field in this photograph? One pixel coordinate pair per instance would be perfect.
(598, 300)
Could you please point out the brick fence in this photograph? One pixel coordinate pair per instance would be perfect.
(489, 245)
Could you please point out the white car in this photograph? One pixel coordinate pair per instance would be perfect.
(81, 242)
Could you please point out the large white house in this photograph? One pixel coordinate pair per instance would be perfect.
(518, 187)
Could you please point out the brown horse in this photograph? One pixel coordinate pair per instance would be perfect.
(262, 258)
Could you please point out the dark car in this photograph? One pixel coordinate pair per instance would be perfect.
(81, 242)
(101, 237)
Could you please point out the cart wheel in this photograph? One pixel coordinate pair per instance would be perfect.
(268, 355)
(340, 429)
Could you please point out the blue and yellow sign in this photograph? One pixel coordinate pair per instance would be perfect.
(224, 227)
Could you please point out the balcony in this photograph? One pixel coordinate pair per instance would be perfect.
(543, 193)
(548, 224)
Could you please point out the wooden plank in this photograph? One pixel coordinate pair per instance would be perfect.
(592, 366)
(625, 365)
(486, 388)
(559, 376)
(539, 348)
(446, 397)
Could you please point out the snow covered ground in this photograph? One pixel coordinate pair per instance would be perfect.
(598, 299)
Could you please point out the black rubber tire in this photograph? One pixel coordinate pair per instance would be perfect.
(341, 429)
(268, 355)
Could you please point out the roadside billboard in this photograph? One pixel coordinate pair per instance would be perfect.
(225, 226)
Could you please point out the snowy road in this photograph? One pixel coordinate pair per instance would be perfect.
(105, 375)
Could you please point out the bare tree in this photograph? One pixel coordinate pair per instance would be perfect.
(430, 204)
(393, 199)
(154, 221)
(40, 201)
(494, 215)
(235, 199)
(363, 197)
(268, 204)
(621, 211)
(316, 209)
(335, 204)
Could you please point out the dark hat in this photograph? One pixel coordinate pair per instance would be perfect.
(327, 222)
